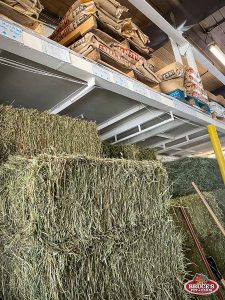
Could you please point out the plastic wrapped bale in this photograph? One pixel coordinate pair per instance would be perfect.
(203, 171)
(210, 237)
(78, 228)
(29, 132)
(128, 152)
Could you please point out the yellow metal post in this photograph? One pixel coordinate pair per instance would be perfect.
(217, 149)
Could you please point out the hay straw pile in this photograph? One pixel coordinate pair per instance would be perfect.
(207, 232)
(132, 152)
(76, 228)
(203, 171)
(28, 132)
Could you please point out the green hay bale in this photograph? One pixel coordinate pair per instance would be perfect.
(28, 132)
(220, 198)
(147, 154)
(76, 228)
(203, 171)
(210, 237)
(119, 151)
(132, 152)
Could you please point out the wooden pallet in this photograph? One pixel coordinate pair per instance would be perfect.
(18, 16)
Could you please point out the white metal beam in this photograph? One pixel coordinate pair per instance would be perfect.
(133, 122)
(176, 51)
(180, 136)
(165, 136)
(187, 142)
(174, 138)
(80, 93)
(150, 132)
(121, 116)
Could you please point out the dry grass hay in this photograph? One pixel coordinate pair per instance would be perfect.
(76, 228)
(128, 152)
(207, 231)
(203, 171)
(28, 132)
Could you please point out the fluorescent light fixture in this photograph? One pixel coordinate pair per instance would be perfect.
(219, 54)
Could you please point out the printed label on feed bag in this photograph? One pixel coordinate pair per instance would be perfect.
(11, 31)
(201, 285)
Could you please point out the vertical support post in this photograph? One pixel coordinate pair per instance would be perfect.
(176, 51)
(191, 59)
(217, 149)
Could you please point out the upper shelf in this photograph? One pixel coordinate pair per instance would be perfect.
(92, 90)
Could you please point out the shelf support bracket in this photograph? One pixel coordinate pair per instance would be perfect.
(74, 97)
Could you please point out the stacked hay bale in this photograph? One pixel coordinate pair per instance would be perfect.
(206, 174)
(203, 171)
(95, 30)
(207, 231)
(210, 237)
(128, 152)
(28, 132)
(78, 228)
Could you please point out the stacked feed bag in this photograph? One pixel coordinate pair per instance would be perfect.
(112, 41)
(78, 228)
(28, 7)
(217, 106)
(121, 54)
(172, 78)
(193, 85)
(28, 132)
(109, 13)
(217, 110)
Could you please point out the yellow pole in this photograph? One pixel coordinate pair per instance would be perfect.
(217, 149)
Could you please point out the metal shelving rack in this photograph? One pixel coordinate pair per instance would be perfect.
(39, 73)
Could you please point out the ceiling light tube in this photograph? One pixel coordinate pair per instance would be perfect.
(219, 54)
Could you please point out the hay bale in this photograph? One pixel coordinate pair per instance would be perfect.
(29, 132)
(203, 171)
(119, 151)
(219, 195)
(76, 228)
(128, 152)
(147, 154)
(207, 232)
